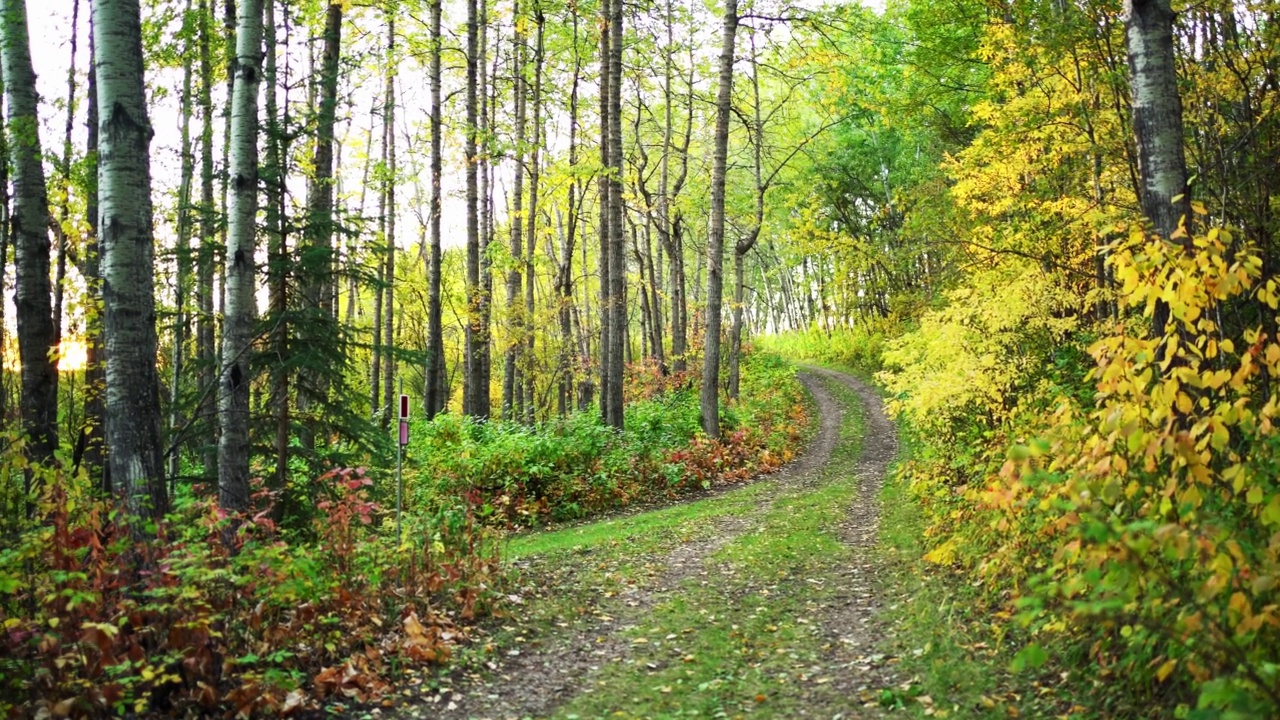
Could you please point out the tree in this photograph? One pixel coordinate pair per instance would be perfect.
(389, 203)
(206, 255)
(564, 267)
(90, 450)
(535, 160)
(313, 390)
(512, 389)
(235, 375)
(715, 235)
(36, 331)
(182, 251)
(128, 260)
(613, 307)
(1157, 124)
(475, 385)
(436, 397)
(272, 174)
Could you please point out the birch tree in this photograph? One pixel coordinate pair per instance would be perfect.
(1157, 123)
(234, 376)
(128, 260)
(36, 331)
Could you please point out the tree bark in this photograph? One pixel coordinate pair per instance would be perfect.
(206, 355)
(613, 284)
(531, 232)
(318, 255)
(389, 191)
(605, 200)
(473, 404)
(512, 389)
(235, 374)
(436, 399)
(37, 336)
(710, 401)
(182, 253)
(128, 260)
(1157, 124)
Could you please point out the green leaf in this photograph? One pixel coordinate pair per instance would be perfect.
(1030, 657)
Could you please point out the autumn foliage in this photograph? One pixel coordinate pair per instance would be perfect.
(1131, 532)
(97, 623)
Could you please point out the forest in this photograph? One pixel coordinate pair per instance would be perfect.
(354, 354)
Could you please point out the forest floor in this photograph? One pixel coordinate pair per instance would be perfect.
(767, 600)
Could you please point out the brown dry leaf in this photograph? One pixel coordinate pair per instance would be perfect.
(293, 702)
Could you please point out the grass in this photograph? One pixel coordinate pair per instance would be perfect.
(741, 641)
(643, 532)
(957, 665)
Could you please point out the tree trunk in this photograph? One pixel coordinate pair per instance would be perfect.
(744, 245)
(605, 200)
(318, 256)
(90, 450)
(611, 398)
(715, 237)
(564, 271)
(272, 174)
(488, 112)
(531, 233)
(655, 303)
(471, 403)
(389, 191)
(1157, 124)
(512, 389)
(206, 356)
(36, 332)
(128, 260)
(182, 285)
(436, 398)
(235, 376)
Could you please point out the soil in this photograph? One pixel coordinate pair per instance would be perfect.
(545, 672)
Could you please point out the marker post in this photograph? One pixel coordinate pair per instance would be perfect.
(401, 442)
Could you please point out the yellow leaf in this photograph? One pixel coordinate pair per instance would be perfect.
(1165, 669)
(1255, 495)
(1191, 496)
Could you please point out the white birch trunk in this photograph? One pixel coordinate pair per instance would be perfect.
(233, 379)
(128, 260)
(34, 314)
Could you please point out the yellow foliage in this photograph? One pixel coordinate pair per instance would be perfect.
(972, 357)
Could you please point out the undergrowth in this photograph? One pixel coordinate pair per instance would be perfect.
(101, 617)
(516, 475)
(1097, 505)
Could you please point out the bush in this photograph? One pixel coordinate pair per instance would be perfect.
(518, 475)
(97, 621)
(1128, 520)
(859, 348)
